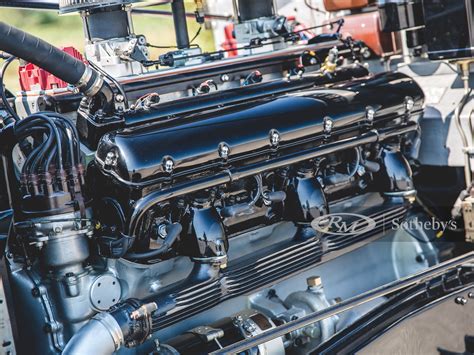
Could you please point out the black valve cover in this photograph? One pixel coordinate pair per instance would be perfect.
(192, 143)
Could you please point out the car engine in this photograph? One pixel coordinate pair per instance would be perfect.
(194, 202)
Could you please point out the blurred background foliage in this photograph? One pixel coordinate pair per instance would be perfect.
(66, 30)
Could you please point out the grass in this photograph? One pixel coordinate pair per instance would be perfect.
(66, 30)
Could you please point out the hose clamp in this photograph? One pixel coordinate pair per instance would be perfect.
(84, 82)
(109, 322)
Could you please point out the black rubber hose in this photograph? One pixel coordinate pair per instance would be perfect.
(34, 50)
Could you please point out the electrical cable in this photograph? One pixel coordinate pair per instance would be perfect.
(10, 110)
(260, 43)
(311, 7)
(198, 32)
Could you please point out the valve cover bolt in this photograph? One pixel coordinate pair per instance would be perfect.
(274, 137)
(370, 114)
(328, 124)
(168, 165)
(409, 103)
(224, 150)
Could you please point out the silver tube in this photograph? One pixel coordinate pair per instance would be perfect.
(100, 336)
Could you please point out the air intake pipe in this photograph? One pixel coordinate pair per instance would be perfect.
(34, 50)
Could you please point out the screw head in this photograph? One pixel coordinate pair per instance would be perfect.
(119, 98)
(460, 300)
(224, 150)
(168, 165)
(327, 125)
(274, 137)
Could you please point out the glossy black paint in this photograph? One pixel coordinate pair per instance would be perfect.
(306, 200)
(395, 174)
(92, 128)
(153, 197)
(297, 116)
(208, 238)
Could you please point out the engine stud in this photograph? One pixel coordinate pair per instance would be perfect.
(370, 114)
(275, 137)
(224, 150)
(409, 103)
(328, 125)
(168, 165)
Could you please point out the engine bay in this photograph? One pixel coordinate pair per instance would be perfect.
(267, 198)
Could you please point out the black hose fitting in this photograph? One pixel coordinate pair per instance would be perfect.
(34, 50)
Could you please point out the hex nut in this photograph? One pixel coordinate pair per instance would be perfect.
(314, 281)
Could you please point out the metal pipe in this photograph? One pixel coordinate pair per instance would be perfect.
(102, 335)
(180, 25)
(145, 203)
(368, 296)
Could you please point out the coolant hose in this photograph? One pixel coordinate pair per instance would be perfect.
(34, 50)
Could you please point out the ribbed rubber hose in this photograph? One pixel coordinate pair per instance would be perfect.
(34, 50)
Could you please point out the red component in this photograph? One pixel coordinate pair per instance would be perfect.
(33, 77)
(230, 43)
(337, 5)
(365, 27)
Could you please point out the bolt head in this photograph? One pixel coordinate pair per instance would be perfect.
(328, 125)
(409, 103)
(314, 281)
(275, 137)
(111, 159)
(224, 150)
(119, 98)
(225, 78)
(168, 165)
(370, 114)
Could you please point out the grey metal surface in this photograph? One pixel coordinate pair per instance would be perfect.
(360, 299)
(101, 336)
(343, 277)
(440, 141)
(105, 291)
